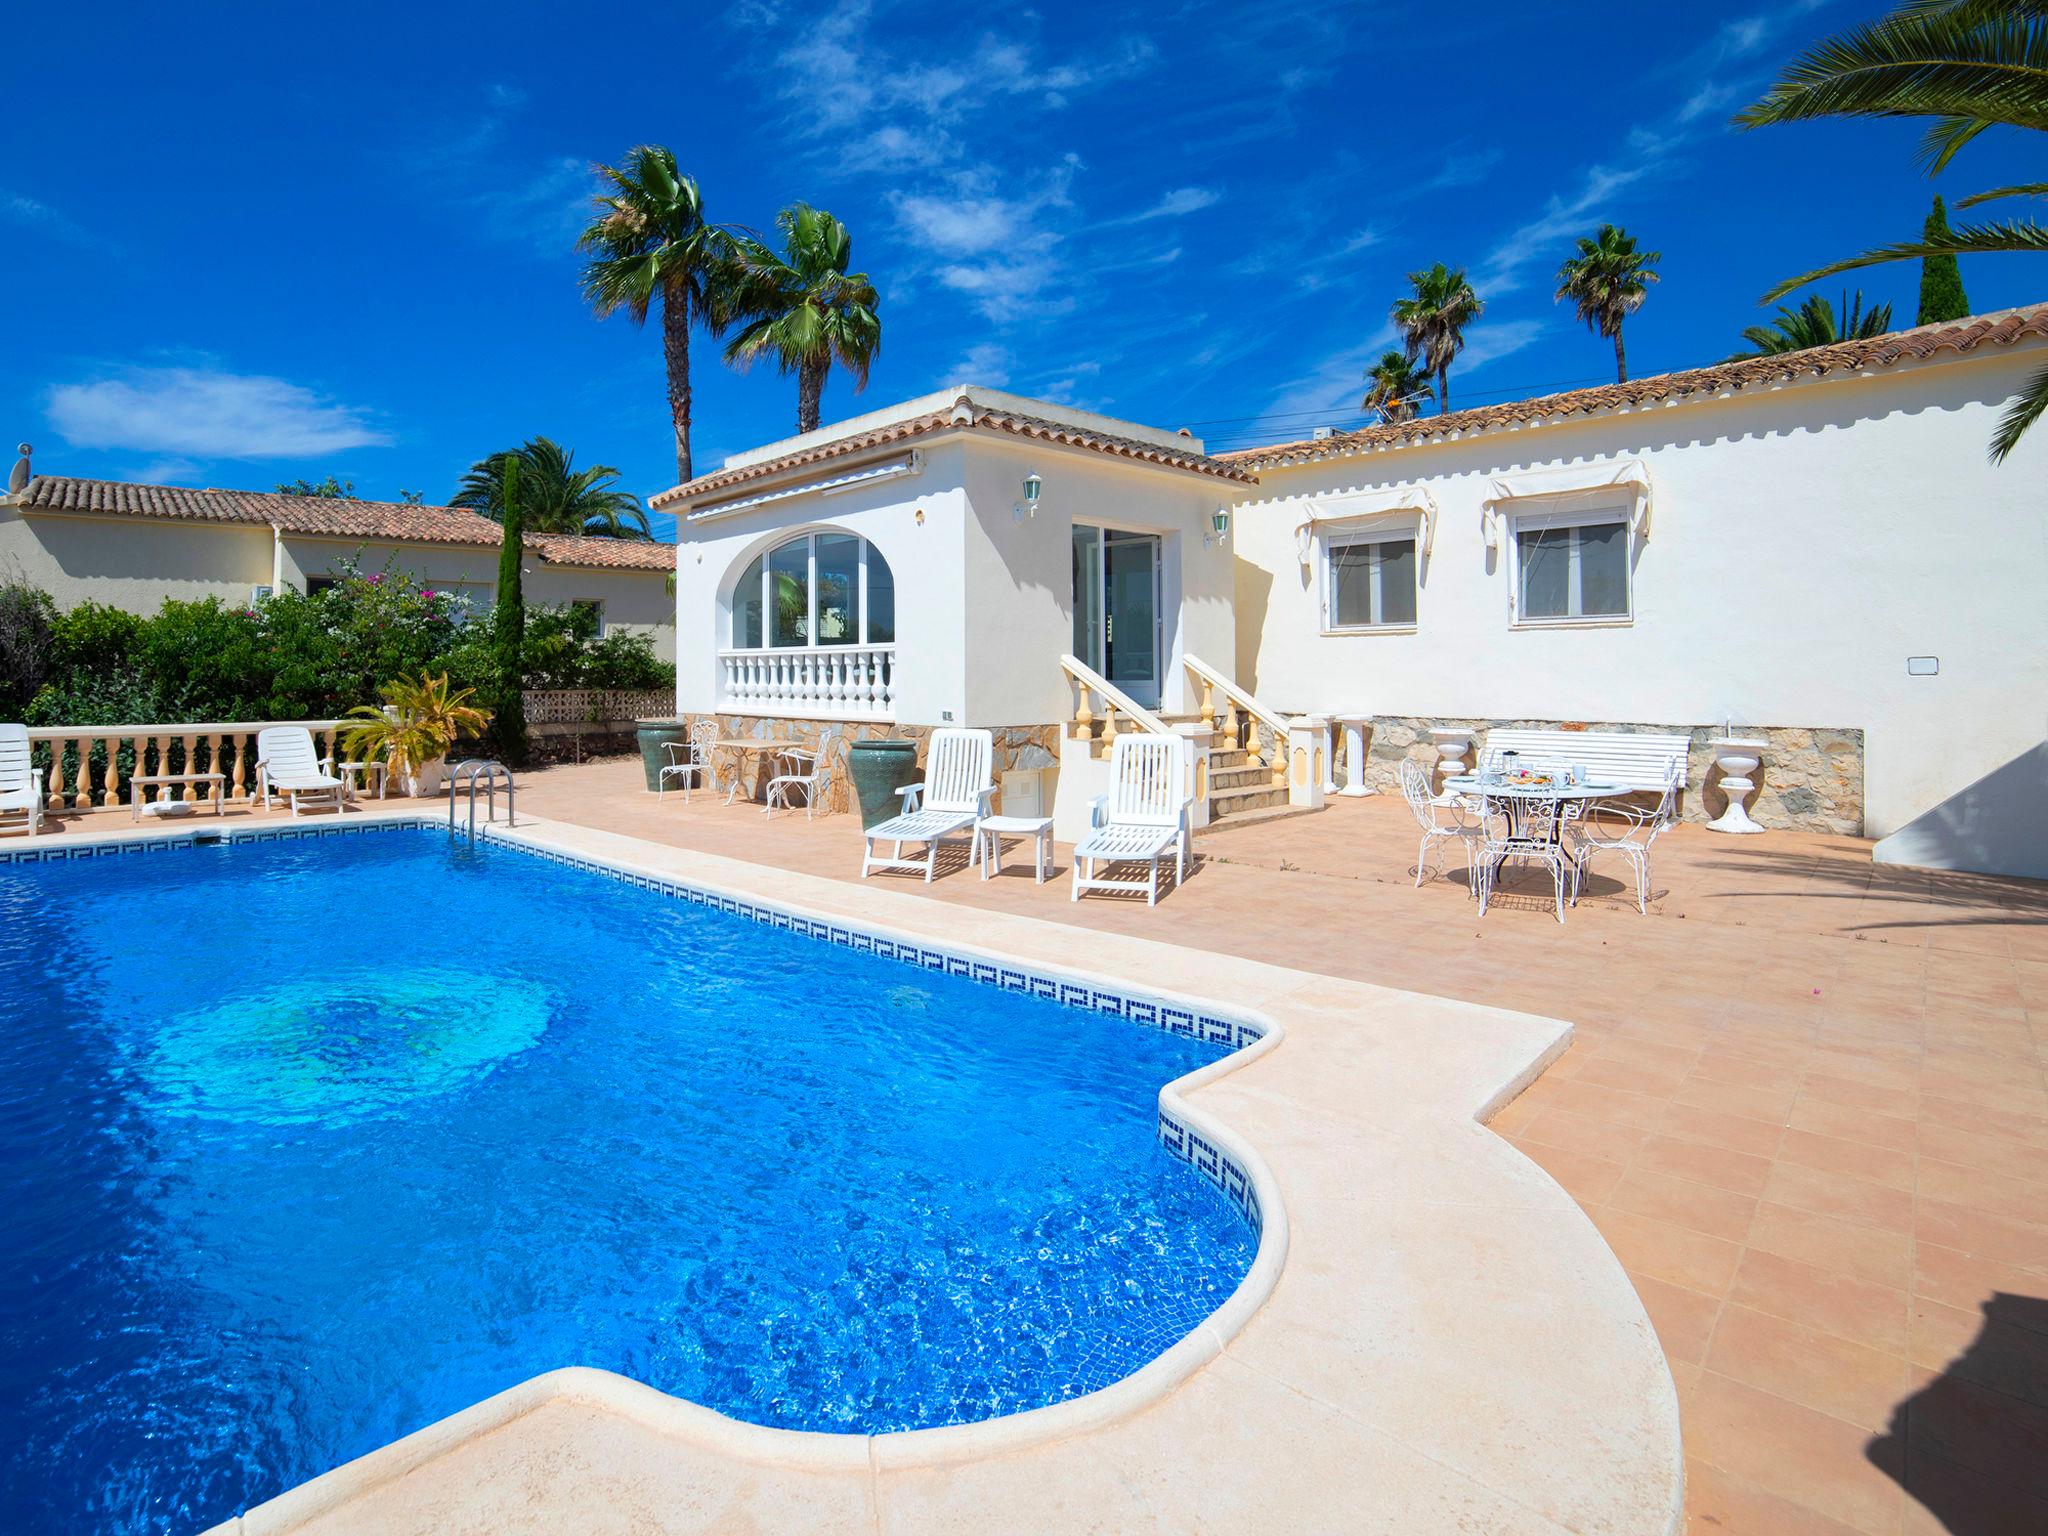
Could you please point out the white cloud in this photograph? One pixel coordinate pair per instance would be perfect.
(1327, 391)
(1490, 342)
(204, 413)
(1567, 217)
(27, 213)
(986, 363)
(1175, 204)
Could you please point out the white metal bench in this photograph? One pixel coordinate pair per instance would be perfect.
(1635, 760)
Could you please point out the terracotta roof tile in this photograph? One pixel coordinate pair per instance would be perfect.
(397, 521)
(975, 415)
(2001, 328)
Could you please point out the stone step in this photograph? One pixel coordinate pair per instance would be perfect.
(1232, 802)
(1240, 777)
(1239, 824)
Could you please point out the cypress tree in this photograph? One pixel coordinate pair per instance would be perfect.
(1941, 279)
(510, 627)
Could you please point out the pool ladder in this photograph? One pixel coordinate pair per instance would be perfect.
(484, 772)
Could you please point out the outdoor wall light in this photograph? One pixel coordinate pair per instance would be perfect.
(1028, 507)
(1220, 521)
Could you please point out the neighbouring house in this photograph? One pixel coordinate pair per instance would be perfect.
(133, 546)
(1810, 548)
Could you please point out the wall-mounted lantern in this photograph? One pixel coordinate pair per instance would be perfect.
(1028, 507)
(1219, 521)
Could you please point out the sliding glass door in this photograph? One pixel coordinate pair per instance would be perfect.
(1116, 608)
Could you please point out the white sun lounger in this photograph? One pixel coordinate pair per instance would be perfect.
(1141, 819)
(285, 762)
(955, 793)
(21, 785)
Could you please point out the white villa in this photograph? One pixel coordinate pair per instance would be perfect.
(1810, 549)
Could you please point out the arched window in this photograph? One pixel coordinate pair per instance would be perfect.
(818, 589)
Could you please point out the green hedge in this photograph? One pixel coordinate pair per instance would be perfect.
(294, 657)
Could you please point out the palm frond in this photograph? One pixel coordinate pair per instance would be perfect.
(1971, 239)
(2022, 189)
(2020, 415)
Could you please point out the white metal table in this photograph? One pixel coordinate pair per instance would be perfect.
(990, 831)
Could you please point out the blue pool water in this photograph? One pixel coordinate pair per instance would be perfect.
(308, 1144)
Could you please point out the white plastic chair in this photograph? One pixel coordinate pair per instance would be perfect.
(21, 783)
(955, 794)
(1628, 831)
(803, 768)
(688, 761)
(1437, 833)
(286, 762)
(1141, 819)
(1528, 830)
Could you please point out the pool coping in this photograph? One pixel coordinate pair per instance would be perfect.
(559, 1411)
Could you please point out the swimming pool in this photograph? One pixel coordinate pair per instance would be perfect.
(312, 1142)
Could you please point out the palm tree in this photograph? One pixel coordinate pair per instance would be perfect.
(649, 243)
(1433, 322)
(803, 308)
(1814, 324)
(1968, 65)
(1607, 282)
(1398, 388)
(554, 495)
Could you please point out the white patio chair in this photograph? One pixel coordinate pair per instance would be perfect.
(955, 794)
(800, 769)
(21, 783)
(1430, 812)
(287, 763)
(1628, 831)
(1526, 830)
(1141, 819)
(687, 761)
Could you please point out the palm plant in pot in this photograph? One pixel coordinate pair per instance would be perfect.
(420, 719)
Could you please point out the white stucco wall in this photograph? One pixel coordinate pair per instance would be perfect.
(132, 563)
(983, 600)
(1804, 542)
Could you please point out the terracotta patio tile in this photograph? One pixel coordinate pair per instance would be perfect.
(2024, 1098)
(1972, 1282)
(1738, 1133)
(1582, 1133)
(1587, 1179)
(2001, 1438)
(1834, 1194)
(1793, 1452)
(1979, 1232)
(1718, 1503)
(1992, 1154)
(1903, 1102)
(2028, 1129)
(1737, 1172)
(1982, 1190)
(1852, 1159)
(1948, 1500)
(1815, 1369)
(1820, 1118)
(1829, 1242)
(1676, 1255)
(1659, 1082)
(1684, 1319)
(1831, 1300)
(1773, 1104)
(1976, 1346)
(1684, 1203)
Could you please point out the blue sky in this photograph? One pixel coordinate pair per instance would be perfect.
(241, 244)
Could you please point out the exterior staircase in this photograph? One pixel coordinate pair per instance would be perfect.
(1235, 786)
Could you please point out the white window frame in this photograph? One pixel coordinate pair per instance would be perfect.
(810, 641)
(1390, 529)
(1579, 514)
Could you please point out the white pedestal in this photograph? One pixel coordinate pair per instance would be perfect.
(1737, 760)
(1452, 745)
(1354, 755)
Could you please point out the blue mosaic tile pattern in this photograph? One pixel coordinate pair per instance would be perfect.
(1182, 1141)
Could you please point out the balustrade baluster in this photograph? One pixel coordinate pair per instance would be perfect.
(113, 779)
(242, 790)
(81, 781)
(1229, 725)
(1253, 757)
(53, 782)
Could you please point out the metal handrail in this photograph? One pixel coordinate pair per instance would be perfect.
(487, 772)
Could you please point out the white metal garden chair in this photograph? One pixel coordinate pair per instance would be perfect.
(21, 782)
(1442, 821)
(688, 762)
(287, 762)
(799, 771)
(1525, 830)
(1142, 818)
(1629, 831)
(955, 794)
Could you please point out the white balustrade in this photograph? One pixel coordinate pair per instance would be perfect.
(823, 682)
(87, 767)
